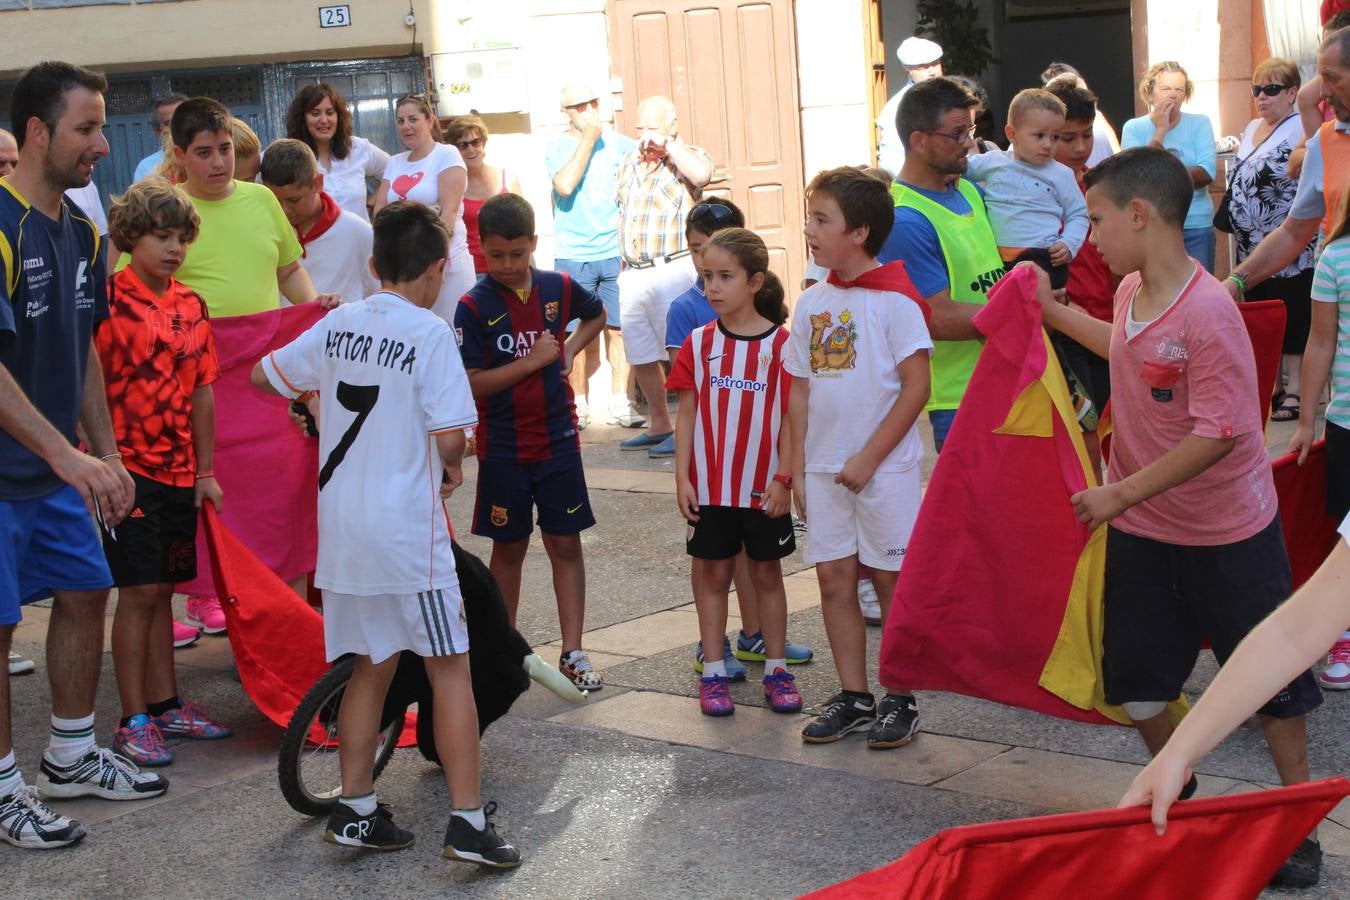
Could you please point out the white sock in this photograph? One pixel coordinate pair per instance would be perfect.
(71, 739)
(474, 817)
(713, 667)
(363, 806)
(10, 779)
(773, 665)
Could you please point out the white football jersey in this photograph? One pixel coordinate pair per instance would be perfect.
(389, 378)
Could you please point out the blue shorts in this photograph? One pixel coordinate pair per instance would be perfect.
(600, 277)
(49, 544)
(941, 420)
(509, 491)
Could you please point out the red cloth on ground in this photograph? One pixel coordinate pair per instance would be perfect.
(996, 543)
(277, 637)
(1309, 533)
(1218, 848)
(268, 471)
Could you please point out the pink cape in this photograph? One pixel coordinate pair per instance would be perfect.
(268, 471)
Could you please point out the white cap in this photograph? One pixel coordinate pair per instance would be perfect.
(917, 51)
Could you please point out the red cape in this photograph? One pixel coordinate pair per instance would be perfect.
(1223, 848)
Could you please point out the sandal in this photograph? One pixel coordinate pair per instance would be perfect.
(1288, 409)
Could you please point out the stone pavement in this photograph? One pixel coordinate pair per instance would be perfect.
(634, 793)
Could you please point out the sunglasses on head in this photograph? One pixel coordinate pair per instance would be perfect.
(719, 213)
(1270, 90)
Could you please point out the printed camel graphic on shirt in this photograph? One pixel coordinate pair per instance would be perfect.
(835, 350)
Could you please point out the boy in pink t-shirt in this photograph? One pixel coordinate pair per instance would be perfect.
(1195, 549)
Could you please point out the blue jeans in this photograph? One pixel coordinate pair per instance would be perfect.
(1200, 244)
(941, 420)
(600, 277)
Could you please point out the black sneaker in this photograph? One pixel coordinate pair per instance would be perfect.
(376, 831)
(1303, 867)
(841, 715)
(897, 723)
(486, 848)
(1189, 788)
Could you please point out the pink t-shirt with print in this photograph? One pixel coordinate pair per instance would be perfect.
(1190, 371)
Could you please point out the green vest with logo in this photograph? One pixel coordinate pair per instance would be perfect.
(973, 265)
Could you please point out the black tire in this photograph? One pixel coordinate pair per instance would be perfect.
(320, 706)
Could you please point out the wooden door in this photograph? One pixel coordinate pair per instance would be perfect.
(730, 66)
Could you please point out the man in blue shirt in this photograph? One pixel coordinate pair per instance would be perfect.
(52, 293)
(583, 163)
(944, 240)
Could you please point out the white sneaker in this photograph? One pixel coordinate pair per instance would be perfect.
(99, 773)
(20, 665)
(583, 413)
(622, 413)
(867, 600)
(27, 822)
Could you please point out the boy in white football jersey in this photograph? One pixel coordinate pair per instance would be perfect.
(394, 403)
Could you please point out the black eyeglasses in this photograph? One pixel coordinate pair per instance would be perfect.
(959, 137)
(1270, 90)
(719, 213)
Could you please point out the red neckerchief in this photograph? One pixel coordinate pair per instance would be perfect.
(889, 277)
(328, 214)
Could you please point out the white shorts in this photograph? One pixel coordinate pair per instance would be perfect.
(645, 296)
(429, 624)
(875, 523)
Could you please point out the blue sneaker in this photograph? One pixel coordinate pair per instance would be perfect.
(735, 671)
(750, 648)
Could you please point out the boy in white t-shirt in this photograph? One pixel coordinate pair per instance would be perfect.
(858, 355)
(394, 402)
(336, 244)
(1035, 207)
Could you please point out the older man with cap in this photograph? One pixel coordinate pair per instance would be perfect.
(922, 60)
(659, 182)
(583, 163)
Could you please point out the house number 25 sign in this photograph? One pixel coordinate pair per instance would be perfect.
(335, 16)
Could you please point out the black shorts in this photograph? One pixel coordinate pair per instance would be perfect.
(721, 532)
(1338, 471)
(157, 542)
(509, 492)
(1163, 600)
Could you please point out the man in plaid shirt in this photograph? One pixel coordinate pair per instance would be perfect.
(658, 183)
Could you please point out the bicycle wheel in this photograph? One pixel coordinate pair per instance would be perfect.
(307, 765)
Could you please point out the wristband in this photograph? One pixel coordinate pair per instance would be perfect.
(305, 397)
(784, 479)
(107, 456)
(201, 475)
(1238, 280)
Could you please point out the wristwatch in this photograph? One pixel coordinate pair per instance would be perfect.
(784, 479)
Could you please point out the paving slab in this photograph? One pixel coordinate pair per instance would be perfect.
(662, 717)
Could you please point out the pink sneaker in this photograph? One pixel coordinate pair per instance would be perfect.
(780, 689)
(713, 697)
(184, 635)
(141, 742)
(206, 614)
(191, 721)
(1336, 676)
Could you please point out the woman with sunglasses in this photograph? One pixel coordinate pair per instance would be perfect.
(1165, 87)
(1261, 192)
(433, 174)
(319, 117)
(469, 135)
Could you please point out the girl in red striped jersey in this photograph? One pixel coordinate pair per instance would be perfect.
(732, 455)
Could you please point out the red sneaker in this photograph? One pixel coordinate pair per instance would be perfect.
(714, 699)
(780, 689)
